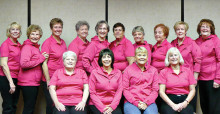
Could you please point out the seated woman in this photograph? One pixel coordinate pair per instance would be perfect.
(105, 85)
(69, 88)
(177, 85)
(140, 82)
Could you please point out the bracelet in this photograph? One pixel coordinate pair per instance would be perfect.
(187, 101)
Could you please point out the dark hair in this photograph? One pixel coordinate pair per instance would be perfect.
(209, 22)
(119, 25)
(106, 52)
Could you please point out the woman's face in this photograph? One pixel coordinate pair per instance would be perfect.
(138, 37)
(35, 36)
(57, 29)
(118, 32)
(174, 58)
(159, 35)
(15, 32)
(106, 60)
(69, 62)
(102, 31)
(181, 31)
(141, 58)
(205, 29)
(83, 31)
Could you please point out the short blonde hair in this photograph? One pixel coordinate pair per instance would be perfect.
(141, 50)
(34, 28)
(138, 29)
(69, 53)
(172, 50)
(13, 25)
(181, 23)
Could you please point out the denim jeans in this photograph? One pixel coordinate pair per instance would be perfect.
(132, 109)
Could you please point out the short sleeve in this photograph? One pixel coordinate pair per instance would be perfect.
(129, 49)
(192, 80)
(54, 79)
(4, 50)
(162, 77)
(84, 77)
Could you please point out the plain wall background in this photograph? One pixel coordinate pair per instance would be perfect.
(131, 13)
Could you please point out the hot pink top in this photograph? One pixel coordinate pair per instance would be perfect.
(12, 51)
(159, 55)
(190, 52)
(69, 88)
(30, 73)
(121, 51)
(105, 89)
(177, 84)
(140, 85)
(147, 46)
(55, 51)
(91, 54)
(78, 46)
(210, 66)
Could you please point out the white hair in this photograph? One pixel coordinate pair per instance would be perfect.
(172, 50)
(69, 53)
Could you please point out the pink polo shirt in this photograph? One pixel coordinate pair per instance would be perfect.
(105, 89)
(79, 47)
(12, 51)
(91, 54)
(147, 46)
(190, 52)
(140, 85)
(159, 54)
(210, 66)
(30, 73)
(177, 84)
(69, 88)
(121, 51)
(55, 51)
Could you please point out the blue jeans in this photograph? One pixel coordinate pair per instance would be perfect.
(132, 109)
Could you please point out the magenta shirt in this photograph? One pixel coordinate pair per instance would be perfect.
(79, 47)
(55, 51)
(190, 52)
(30, 73)
(159, 54)
(140, 85)
(121, 51)
(210, 65)
(105, 89)
(12, 51)
(177, 84)
(147, 46)
(91, 54)
(69, 88)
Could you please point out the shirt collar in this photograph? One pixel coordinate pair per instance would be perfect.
(13, 44)
(80, 41)
(54, 40)
(64, 72)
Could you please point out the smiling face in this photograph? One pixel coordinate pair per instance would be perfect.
(102, 31)
(159, 34)
(106, 60)
(57, 30)
(69, 62)
(83, 31)
(118, 32)
(138, 37)
(180, 31)
(174, 58)
(141, 58)
(14, 32)
(205, 29)
(34, 36)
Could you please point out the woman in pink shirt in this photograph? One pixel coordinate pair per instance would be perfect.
(209, 76)
(98, 42)
(80, 43)
(10, 56)
(140, 82)
(69, 87)
(138, 34)
(54, 46)
(122, 48)
(177, 85)
(105, 86)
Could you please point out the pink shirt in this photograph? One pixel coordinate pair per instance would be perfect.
(140, 85)
(30, 73)
(69, 88)
(78, 46)
(159, 55)
(55, 51)
(91, 54)
(147, 46)
(177, 84)
(121, 51)
(12, 51)
(210, 66)
(105, 89)
(190, 52)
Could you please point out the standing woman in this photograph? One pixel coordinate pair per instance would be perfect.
(98, 42)
(80, 43)
(209, 76)
(54, 46)
(122, 48)
(10, 56)
(30, 73)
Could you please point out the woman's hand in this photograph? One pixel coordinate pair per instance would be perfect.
(175, 107)
(108, 110)
(142, 105)
(80, 106)
(182, 105)
(215, 85)
(45, 55)
(12, 88)
(60, 106)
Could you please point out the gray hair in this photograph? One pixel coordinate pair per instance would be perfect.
(81, 23)
(69, 53)
(100, 23)
(172, 50)
(138, 29)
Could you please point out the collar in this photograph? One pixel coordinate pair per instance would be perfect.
(80, 41)
(64, 72)
(147, 66)
(54, 41)
(171, 70)
(13, 44)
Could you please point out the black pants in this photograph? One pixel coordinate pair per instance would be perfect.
(50, 106)
(166, 109)
(9, 100)
(194, 100)
(70, 110)
(30, 96)
(94, 110)
(209, 97)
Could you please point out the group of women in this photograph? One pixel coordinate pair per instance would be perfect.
(92, 77)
